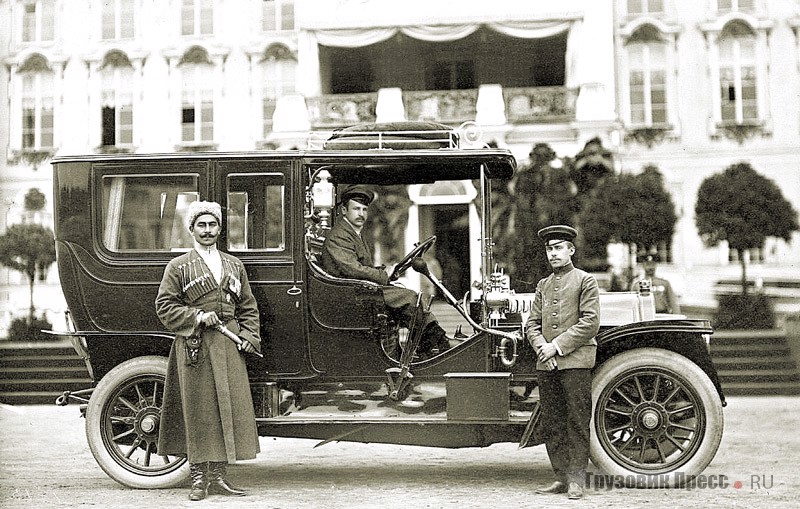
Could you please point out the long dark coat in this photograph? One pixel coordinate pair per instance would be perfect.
(207, 413)
(345, 254)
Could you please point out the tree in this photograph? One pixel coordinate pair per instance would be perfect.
(742, 207)
(542, 194)
(30, 249)
(631, 209)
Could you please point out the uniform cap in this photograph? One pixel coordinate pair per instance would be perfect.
(198, 208)
(557, 233)
(357, 191)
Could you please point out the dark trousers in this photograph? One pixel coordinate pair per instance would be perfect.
(566, 399)
(402, 304)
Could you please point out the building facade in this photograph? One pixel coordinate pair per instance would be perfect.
(701, 86)
(86, 76)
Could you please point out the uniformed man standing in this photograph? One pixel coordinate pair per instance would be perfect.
(664, 296)
(207, 413)
(562, 326)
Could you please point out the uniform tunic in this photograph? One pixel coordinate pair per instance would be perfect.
(665, 299)
(565, 312)
(207, 413)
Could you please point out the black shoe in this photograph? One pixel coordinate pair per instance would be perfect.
(197, 472)
(575, 491)
(556, 487)
(217, 483)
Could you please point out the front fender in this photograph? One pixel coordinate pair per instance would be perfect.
(682, 336)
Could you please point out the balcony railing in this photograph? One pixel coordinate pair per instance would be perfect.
(446, 106)
(531, 105)
(338, 110)
(527, 105)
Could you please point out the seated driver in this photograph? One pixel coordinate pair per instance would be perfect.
(346, 254)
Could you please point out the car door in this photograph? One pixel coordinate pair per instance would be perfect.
(257, 196)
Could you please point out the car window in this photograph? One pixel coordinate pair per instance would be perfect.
(147, 212)
(256, 212)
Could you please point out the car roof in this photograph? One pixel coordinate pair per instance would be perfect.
(376, 166)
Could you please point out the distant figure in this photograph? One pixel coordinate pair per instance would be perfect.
(663, 295)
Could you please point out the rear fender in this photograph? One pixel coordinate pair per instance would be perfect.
(102, 351)
(685, 337)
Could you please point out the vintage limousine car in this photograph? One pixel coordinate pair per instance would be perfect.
(328, 370)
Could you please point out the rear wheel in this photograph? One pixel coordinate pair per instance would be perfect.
(657, 418)
(122, 423)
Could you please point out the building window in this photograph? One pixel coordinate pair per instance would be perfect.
(737, 75)
(38, 20)
(118, 20)
(256, 212)
(37, 111)
(197, 106)
(117, 105)
(647, 74)
(197, 17)
(277, 15)
(734, 5)
(637, 7)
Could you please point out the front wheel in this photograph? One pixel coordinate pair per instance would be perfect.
(122, 423)
(657, 418)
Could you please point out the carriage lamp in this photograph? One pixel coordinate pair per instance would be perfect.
(322, 196)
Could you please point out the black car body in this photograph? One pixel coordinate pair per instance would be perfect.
(327, 372)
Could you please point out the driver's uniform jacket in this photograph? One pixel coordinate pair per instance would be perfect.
(207, 410)
(566, 311)
(345, 254)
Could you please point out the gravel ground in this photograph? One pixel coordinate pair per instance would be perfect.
(46, 463)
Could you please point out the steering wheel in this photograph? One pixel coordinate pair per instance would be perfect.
(419, 250)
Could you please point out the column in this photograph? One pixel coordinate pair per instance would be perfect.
(491, 108)
(308, 75)
(137, 103)
(389, 107)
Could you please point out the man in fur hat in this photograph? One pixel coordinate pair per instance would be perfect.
(207, 413)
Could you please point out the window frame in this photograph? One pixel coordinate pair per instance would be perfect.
(202, 22)
(738, 64)
(156, 169)
(118, 7)
(284, 246)
(203, 73)
(38, 130)
(41, 10)
(120, 92)
(648, 90)
(282, 10)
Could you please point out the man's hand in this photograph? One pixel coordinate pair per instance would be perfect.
(247, 347)
(546, 352)
(551, 365)
(209, 319)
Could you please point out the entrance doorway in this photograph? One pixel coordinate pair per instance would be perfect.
(450, 224)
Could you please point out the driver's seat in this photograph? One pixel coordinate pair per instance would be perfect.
(341, 303)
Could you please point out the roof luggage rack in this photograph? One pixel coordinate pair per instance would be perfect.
(399, 136)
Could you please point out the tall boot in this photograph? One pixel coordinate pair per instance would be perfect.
(197, 471)
(218, 484)
(434, 341)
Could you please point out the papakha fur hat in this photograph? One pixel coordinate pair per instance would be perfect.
(198, 208)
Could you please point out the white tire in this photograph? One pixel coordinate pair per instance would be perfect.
(657, 419)
(122, 421)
